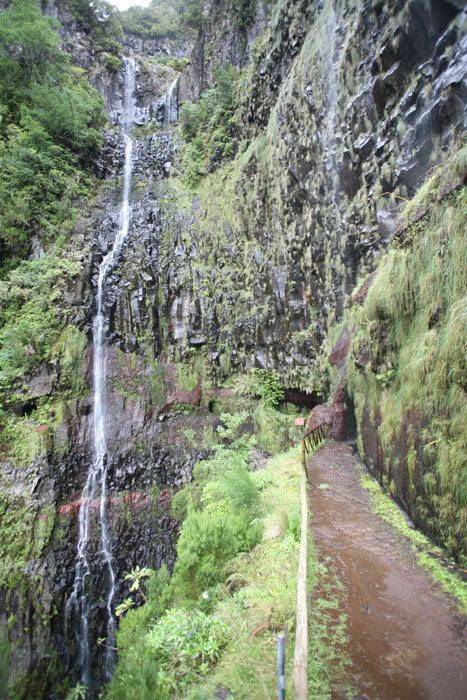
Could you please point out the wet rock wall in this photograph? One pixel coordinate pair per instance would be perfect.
(344, 108)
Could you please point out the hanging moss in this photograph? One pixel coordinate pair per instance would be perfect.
(412, 329)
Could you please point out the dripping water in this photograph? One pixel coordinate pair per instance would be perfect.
(331, 31)
(94, 494)
(332, 47)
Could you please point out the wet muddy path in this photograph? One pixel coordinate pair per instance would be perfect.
(406, 638)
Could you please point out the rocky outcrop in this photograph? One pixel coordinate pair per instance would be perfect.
(228, 37)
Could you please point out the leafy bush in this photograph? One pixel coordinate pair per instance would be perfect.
(262, 383)
(50, 128)
(180, 648)
(262, 479)
(136, 673)
(112, 63)
(208, 540)
(185, 645)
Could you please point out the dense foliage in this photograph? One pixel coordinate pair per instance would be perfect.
(207, 125)
(49, 130)
(99, 19)
(408, 362)
(220, 519)
(175, 19)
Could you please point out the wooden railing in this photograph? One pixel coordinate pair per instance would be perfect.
(310, 441)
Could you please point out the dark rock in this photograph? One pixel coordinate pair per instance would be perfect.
(349, 178)
(338, 354)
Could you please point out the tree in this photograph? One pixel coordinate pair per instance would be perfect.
(50, 122)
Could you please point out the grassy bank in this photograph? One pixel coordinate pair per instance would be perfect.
(406, 369)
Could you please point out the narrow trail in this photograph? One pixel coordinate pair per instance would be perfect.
(407, 640)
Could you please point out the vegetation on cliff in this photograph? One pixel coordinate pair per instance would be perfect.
(50, 129)
(407, 367)
(257, 231)
(174, 19)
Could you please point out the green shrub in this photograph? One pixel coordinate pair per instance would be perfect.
(161, 663)
(208, 540)
(136, 674)
(181, 502)
(112, 63)
(267, 385)
(274, 430)
(207, 126)
(241, 490)
(50, 128)
(184, 645)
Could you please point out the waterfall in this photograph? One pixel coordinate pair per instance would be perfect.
(94, 494)
(171, 104)
(331, 30)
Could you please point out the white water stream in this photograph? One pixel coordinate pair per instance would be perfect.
(330, 48)
(95, 489)
(171, 104)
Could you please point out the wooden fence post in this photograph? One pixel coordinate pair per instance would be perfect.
(300, 669)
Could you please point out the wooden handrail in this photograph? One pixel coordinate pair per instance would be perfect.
(310, 441)
(321, 425)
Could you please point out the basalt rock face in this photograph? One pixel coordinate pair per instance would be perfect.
(228, 36)
(342, 104)
(149, 456)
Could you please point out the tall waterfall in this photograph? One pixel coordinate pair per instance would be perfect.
(94, 494)
(171, 104)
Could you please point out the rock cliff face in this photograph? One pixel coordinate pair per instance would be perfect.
(341, 104)
(343, 108)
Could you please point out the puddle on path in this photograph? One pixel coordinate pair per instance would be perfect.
(405, 638)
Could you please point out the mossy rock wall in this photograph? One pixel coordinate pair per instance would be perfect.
(341, 104)
(407, 367)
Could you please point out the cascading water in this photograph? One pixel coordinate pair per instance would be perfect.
(94, 494)
(171, 104)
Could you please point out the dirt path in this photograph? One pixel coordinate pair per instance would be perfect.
(406, 639)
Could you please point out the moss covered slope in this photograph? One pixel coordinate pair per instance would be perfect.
(407, 366)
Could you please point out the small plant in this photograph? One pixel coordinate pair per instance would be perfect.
(124, 607)
(76, 693)
(266, 384)
(136, 576)
(385, 378)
